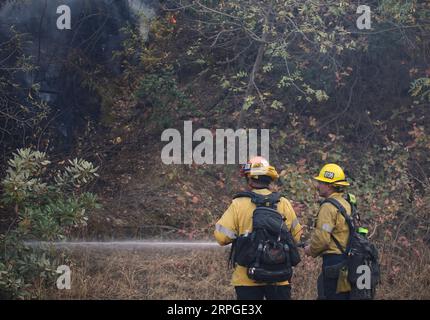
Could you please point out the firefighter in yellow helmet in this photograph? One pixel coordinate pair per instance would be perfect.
(237, 221)
(330, 236)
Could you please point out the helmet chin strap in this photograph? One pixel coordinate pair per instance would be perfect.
(255, 185)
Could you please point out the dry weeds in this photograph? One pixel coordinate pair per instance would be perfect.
(203, 275)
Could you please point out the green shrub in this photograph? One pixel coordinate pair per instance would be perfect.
(421, 88)
(48, 205)
(161, 93)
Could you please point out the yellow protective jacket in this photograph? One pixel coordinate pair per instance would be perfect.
(237, 220)
(330, 221)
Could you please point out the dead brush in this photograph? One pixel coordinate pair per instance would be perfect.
(203, 274)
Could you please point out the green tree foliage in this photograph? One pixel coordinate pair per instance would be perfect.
(421, 88)
(293, 55)
(276, 53)
(161, 93)
(21, 111)
(48, 205)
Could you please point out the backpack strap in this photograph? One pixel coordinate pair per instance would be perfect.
(270, 200)
(354, 211)
(348, 221)
(244, 194)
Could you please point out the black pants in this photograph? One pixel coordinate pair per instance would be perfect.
(327, 286)
(261, 292)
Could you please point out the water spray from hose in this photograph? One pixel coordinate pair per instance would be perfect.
(129, 244)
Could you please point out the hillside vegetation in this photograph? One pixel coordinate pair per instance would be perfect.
(328, 92)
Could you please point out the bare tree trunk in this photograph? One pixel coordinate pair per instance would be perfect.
(229, 170)
(256, 67)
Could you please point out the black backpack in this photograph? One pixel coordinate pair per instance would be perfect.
(359, 252)
(268, 252)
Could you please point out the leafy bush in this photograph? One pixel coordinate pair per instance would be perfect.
(421, 88)
(47, 205)
(22, 112)
(161, 92)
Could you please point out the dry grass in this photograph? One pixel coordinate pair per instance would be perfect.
(203, 274)
(147, 274)
(406, 271)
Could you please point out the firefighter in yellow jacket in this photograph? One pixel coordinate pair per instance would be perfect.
(237, 220)
(331, 227)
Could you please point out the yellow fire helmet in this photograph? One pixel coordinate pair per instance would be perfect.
(333, 174)
(259, 166)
